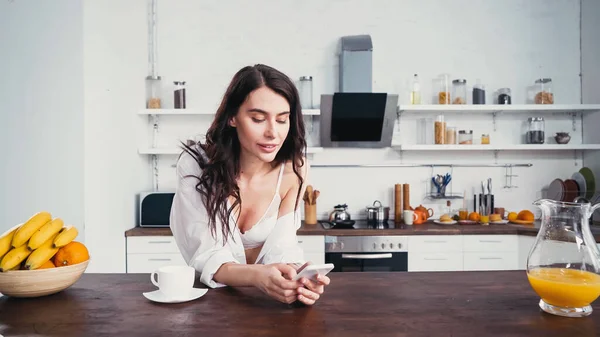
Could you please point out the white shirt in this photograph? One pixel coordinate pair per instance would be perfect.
(189, 224)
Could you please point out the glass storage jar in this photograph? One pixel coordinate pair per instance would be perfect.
(179, 95)
(153, 92)
(485, 139)
(440, 130)
(306, 92)
(535, 130)
(465, 137)
(478, 93)
(504, 96)
(443, 89)
(543, 91)
(459, 91)
(450, 135)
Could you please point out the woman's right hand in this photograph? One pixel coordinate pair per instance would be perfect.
(275, 281)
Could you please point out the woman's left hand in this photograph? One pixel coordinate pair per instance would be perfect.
(312, 290)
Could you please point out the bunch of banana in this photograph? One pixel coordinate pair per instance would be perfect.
(48, 230)
(6, 240)
(14, 257)
(42, 254)
(35, 242)
(19, 237)
(25, 232)
(65, 236)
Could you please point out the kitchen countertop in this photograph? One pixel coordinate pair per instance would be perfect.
(401, 304)
(428, 228)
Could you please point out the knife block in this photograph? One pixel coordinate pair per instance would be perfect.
(310, 213)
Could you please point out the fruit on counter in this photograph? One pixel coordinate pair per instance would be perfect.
(495, 217)
(512, 216)
(525, 215)
(445, 218)
(73, 253)
(47, 231)
(6, 240)
(25, 232)
(65, 236)
(47, 265)
(42, 254)
(456, 217)
(14, 257)
(474, 216)
(41, 239)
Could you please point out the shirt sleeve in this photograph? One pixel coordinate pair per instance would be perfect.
(189, 224)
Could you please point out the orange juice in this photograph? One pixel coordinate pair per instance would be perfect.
(463, 214)
(563, 287)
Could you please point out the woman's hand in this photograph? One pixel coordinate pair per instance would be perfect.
(275, 280)
(312, 290)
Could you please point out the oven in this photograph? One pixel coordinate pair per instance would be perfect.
(367, 253)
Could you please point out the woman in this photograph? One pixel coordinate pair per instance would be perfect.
(235, 213)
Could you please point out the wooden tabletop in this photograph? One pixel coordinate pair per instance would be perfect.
(355, 304)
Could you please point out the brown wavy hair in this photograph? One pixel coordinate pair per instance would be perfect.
(220, 163)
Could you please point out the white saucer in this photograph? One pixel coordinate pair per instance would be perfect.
(501, 222)
(445, 223)
(158, 296)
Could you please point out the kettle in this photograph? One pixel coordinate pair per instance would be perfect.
(339, 213)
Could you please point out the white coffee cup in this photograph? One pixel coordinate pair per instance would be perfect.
(409, 217)
(174, 281)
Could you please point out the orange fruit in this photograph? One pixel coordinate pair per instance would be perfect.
(47, 265)
(73, 253)
(512, 216)
(474, 216)
(525, 215)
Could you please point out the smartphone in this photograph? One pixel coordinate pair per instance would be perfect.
(310, 271)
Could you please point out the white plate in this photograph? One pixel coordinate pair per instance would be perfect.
(158, 296)
(501, 222)
(445, 223)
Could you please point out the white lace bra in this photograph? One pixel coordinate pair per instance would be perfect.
(258, 233)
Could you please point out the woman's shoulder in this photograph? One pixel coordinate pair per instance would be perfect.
(290, 178)
(188, 162)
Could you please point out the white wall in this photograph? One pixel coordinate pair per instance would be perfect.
(41, 111)
(511, 45)
(115, 55)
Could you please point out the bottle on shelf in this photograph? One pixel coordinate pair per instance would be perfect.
(415, 93)
(153, 92)
(478, 93)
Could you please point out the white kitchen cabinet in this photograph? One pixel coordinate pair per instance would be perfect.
(490, 260)
(525, 244)
(490, 252)
(147, 263)
(490, 243)
(313, 247)
(444, 261)
(435, 243)
(145, 254)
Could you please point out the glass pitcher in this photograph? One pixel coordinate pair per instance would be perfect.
(563, 266)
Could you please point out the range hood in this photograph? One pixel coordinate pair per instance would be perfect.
(360, 119)
(355, 116)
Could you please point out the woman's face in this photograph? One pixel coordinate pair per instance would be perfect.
(262, 124)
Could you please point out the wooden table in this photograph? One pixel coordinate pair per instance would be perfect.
(355, 304)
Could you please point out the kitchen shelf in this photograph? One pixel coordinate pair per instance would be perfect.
(507, 147)
(174, 112)
(499, 108)
(177, 151)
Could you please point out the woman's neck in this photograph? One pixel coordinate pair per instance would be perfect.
(251, 167)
